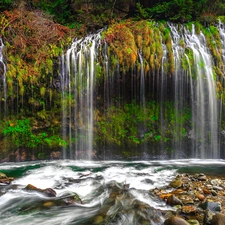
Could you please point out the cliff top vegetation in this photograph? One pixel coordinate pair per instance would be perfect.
(94, 14)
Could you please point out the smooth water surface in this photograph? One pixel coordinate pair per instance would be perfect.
(112, 192)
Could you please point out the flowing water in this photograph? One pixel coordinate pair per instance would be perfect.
(3, 85)
(77, 82)
(192, 88)
(111, 192)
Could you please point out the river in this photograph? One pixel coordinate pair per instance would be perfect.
(111, 192)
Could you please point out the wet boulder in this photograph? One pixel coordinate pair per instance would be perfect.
(176, 183)
(55, 155)
(172, 201)
(2, 175)
(218, 219)
(4, 179)
(175, 220)
(49, 192)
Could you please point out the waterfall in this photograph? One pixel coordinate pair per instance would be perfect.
(3, 78)
(142, 97)
(77, 83)
(189, 89)
(201, 89)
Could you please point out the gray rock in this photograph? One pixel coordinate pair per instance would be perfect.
(213, 206)
(202, 177)
(217, 188)
(215, 182)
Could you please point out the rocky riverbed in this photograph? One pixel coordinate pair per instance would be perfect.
(196, 199)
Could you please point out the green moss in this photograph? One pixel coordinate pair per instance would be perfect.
(134, 125)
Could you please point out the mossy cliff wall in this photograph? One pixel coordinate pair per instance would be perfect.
(124, 124)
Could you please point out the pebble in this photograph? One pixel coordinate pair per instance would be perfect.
(193, 222)
(202, 177)
(217, 188)
(201, 197)
(176, 183)
(189, 209)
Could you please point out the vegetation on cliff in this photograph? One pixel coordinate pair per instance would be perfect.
(35, 33)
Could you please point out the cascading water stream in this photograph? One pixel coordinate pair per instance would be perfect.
(202, 91)
(3, 77)
(142, 98)
(77, 82)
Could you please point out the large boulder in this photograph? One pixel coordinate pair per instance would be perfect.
(175, 220)
(218, 219)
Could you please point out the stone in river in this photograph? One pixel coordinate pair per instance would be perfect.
(218, 188)
(172, 200)
(175, 220)
(218, 219)
(176, 183)
(202, 177)
(49, 192)
(4, 179)
(189, 209)
(201, 197)
(213, 206)
(2, 175)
